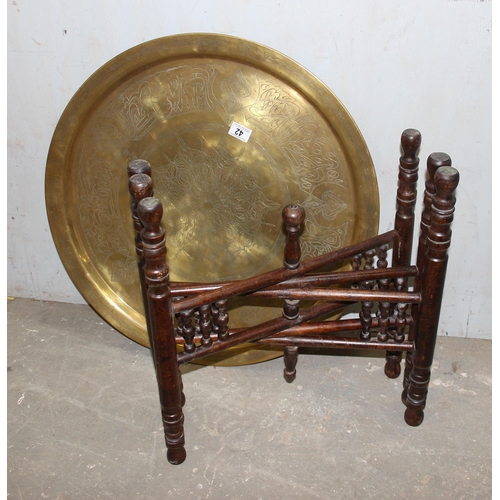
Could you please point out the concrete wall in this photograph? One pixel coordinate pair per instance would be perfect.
(393, 64)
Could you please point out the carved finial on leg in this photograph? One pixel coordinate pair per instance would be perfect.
(162, 327)
(139, 167)
(293, 217)
(410, 142)
(406, 195)
(434, 162)
(434, 274)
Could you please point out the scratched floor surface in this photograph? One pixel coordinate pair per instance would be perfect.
(84, 422)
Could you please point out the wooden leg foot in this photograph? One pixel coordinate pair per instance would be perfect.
(173, 424)
(392, 370)
(414, 416)
(415, 395)
(176, 457)
(291, 356)
(392, 367)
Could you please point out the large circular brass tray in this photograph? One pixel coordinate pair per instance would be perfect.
(174, 101)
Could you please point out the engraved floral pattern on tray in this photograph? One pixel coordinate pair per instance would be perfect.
(219, 182)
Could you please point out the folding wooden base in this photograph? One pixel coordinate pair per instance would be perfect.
(393, 316)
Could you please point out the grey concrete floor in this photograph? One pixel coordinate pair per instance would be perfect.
(84, 421)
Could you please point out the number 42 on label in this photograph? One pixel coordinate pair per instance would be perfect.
(240, 132)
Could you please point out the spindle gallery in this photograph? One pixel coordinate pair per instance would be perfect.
(399, 304)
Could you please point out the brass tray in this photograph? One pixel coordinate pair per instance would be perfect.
(174, 101)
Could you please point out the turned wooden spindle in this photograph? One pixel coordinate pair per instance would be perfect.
(197, 322)
(355, 266)
(222, 320)
(384, 307)
(369, 264)
(405, 220)
(205, 326)
(161, 318)
(293, 218)
(400, 323)
(186, 330)
(436, 258)
(434, 161)
(365, 314)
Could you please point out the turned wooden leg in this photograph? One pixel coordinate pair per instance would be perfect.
(161, 323)
(434, 161)
(140, 187)
(404, 221)
(293, 217)
(436, 258)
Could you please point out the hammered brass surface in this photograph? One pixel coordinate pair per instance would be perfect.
(172, 102)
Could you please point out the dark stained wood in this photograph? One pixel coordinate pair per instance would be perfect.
(293, 218)
(262, 330)
(406, 196)
(279, 275)
(339, 294)
(161, 322)
(140, 187)
(196, 315)
(436, 259)
(404, 223)
(434, 161)
(325, 328)
(366, 304)
(221, 319)
(205, 326)
(355, 266)
(366, 319)
(320, 341)
(384, 306)
(291, 356)
(186, 330)
(308, 281)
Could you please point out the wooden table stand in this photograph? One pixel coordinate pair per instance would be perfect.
(406, 319)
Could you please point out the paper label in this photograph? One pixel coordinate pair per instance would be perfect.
(240, 132)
